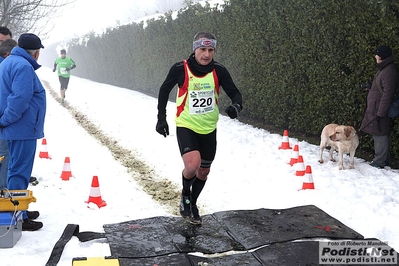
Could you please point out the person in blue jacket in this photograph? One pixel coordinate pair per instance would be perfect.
(6, 46)
(22, 113)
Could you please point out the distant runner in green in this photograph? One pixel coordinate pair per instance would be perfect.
(65, 64)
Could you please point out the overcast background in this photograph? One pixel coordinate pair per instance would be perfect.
(83, 17)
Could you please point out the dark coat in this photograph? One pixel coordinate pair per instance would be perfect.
(375, 120)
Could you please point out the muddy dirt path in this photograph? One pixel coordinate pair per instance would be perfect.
(161, 190)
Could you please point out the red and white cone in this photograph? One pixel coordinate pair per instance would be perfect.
(66, 170)
(300, 166)
(294, 155)
(308, 179)
(44, 153)
(285, 145)
(95, 195)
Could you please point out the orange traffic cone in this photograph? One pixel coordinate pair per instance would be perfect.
(95, 195)
(300, 166)
(44, 153)
(308, 181)
(285, 145)
(66, 171)
(294, 155)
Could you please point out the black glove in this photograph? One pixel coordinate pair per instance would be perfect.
(54, 70)
(233, 110)
(67, 69)
(162, 126)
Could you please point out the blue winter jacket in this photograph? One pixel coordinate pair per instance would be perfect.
(22, 98)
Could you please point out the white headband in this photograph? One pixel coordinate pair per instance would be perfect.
(204, 43)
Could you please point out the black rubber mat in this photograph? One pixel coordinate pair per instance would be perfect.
(245, 258)
(184, 259)
(290, 253)
(254, 228)
(172, 259)
(222, 231)
(298, 253)
(166, 235)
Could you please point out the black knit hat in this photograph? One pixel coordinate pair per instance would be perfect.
(383, 51)
(30, 41)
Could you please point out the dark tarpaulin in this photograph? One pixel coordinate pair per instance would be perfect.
(184, 259)
(254, 228)
(222, 231)
(290, 253)
(172, 259)
(166, 235)
(298, 253)
(241, 259)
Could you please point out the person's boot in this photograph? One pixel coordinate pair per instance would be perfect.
(195, 217)
(29, 225)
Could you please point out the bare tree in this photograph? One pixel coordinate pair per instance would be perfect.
(30, 15)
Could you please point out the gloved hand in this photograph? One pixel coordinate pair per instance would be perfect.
(162, 126)
(233, 110)
(54, 70)
(67, 69)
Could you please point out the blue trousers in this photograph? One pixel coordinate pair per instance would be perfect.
(20, 165)
(4, 164)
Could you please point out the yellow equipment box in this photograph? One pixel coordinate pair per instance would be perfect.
(11, 199)
(101, 261)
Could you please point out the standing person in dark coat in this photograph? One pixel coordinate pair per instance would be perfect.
(376, 121)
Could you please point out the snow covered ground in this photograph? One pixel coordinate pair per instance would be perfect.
(249, 172)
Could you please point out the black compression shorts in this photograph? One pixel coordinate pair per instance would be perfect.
(190, 141)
